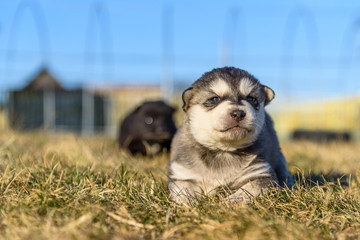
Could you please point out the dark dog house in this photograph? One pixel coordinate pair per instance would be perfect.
(44, 103)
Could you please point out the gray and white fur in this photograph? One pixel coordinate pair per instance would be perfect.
(227, 140)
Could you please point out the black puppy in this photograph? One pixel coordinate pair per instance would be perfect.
(148, 129)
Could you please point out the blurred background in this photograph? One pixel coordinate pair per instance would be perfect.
(82, 65)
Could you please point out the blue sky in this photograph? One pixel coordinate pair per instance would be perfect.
(301, 49)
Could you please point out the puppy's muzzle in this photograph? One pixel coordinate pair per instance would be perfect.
(238, 115)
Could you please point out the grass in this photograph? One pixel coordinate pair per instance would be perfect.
(62, 186)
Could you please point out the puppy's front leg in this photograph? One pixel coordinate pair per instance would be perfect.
(250, 190)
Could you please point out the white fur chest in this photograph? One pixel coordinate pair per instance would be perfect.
(227, 172)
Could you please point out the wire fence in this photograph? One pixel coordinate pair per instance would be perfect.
(85, 112)
(99, 110)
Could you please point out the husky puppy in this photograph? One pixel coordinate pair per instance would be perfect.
(227, 140)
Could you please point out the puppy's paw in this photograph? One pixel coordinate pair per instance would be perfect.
(236, 198)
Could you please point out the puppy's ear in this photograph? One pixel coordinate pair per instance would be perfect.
(137, 109)
(269, 94)
(186, 97)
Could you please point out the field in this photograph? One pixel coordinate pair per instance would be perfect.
(63, 186)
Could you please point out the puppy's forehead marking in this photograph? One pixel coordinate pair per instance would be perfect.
(246, 85)
(220, 87)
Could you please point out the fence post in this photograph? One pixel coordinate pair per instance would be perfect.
(109, 128)
(49, 105)
(10, 103)
(87, 118)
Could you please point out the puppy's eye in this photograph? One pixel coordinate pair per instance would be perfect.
(251, 99)
(215, 99)
(149, 120)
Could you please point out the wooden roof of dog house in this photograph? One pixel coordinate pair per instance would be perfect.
(43, 81)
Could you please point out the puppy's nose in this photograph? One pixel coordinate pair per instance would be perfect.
(238, 115)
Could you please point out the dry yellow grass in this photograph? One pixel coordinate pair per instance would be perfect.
(63, 186)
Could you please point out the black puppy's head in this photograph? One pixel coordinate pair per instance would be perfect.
(150, 125)
(154, 120)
